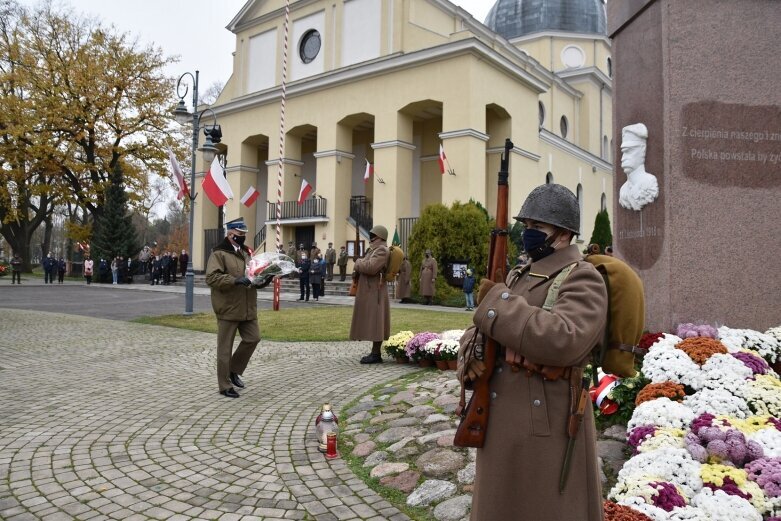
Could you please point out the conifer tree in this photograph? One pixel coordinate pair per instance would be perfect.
(602, 234)
(114, 232)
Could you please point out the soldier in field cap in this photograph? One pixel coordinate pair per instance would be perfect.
(234, 300)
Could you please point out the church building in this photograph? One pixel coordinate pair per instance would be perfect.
(385, 86)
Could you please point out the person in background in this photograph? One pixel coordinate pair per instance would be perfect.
(89, 266)
(342, 263)
(49, 269)
(16, 269)
(403, 284)
(61, 267)
(174, 266)
(184, 258)
(469, 287)
(316, 276)
(428, 278)
(330, 259)
(303, 275)
(115, 270)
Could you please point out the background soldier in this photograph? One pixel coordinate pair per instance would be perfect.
(342, 263)
(403, 286)
(291, 250)
(330, 259)
(16, 269)
(428, 278)
(314, 252)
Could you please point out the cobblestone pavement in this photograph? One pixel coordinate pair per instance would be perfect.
(113, 420)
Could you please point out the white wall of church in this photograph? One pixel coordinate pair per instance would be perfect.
(299, 69)
(262, 61)
(361, 30)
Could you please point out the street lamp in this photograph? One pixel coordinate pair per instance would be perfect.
(213, 135)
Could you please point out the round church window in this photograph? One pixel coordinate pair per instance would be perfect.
(309, 46)
(573, 57)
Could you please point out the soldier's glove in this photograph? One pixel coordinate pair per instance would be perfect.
(485, 286)
(469, 367)
(263, 284)
(242, 281)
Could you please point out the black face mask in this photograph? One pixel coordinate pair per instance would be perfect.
(239, 239)
(537, 243)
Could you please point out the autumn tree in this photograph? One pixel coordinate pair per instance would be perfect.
(77, 98)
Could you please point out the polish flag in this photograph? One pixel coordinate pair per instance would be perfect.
(215, 186)
(306, 189)
(250, 197)
(442, 159)
(176, 171)
(369, 171)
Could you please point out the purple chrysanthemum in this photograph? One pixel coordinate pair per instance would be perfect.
(775, 422)
(415, 345)
(689, 330)
(730, 487)
(753, 362)
(667, 496)
(639, 434)
(766, 472)
(703, 420)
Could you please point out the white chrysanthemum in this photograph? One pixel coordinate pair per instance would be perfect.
(639, 504)
(661, 412)
(688, 513)
(717, 401)
(720, 506)
(675, 466)
(763, 395)
(770, 439)
(665, 363)
(663, 438)
(452, 334)
(775, 332)
(725, 372)
(767, 346)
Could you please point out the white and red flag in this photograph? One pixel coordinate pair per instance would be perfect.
(215, 186)
(369, 171)
(176, 171)
(250, 197)
(442, 159)
(306, 189)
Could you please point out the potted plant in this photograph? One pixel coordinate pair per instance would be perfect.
(448, 353)
(396, 344)
(433, 349)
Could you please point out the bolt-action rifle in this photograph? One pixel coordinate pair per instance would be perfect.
(474, 418)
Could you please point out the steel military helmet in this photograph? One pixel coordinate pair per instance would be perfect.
(552, 204)
(380, 231)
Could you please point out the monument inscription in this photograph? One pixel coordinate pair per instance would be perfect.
(732, 144)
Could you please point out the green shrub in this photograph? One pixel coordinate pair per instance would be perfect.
(602, 234)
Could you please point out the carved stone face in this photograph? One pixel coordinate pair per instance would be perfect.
(632, 156)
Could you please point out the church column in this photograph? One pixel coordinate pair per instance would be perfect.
(393, 151)
(334, 178)
(291, 182)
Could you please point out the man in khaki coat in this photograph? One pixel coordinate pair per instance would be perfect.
(371, 311)
(519, 466)
(235, 302)
(428, 278)
(330, 259)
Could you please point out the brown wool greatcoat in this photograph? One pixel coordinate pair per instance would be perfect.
(403, 289)
(371, 312)
(229, 301)
(428, 273)
(518, 468)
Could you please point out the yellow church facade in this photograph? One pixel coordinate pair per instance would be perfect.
(388, 82)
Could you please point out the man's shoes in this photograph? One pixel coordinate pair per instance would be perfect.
(235, 380)
(230, 393)
(371, 359)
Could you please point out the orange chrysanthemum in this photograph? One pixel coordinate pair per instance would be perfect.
(616, 512)
(701, 348)
(670, 390)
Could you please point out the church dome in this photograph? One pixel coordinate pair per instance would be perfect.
(514, 18)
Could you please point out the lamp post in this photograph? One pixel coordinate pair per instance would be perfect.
(213, 135)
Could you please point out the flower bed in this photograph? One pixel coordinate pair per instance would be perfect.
(705, 431)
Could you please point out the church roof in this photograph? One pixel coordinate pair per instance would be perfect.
(514, 18)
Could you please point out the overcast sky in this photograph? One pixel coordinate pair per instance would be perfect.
(192, 29)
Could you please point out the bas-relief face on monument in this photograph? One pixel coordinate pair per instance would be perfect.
(641, 187)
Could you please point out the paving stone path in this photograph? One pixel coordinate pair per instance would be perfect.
(113, 420)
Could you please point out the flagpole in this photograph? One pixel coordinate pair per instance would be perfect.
(280, 161)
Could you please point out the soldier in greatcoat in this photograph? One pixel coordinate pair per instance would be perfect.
(342, 263)
(330, 259)
(428, 278)
(403, 286)
(371, 311)
(519, 466)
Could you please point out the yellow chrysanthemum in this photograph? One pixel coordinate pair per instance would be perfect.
(715, 473)
(749, 425)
